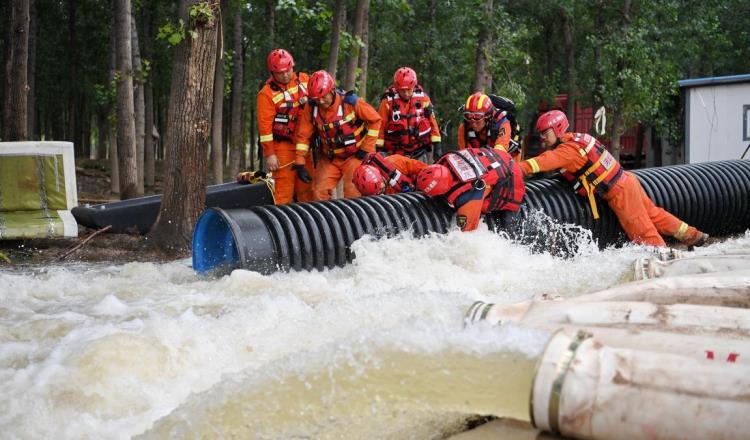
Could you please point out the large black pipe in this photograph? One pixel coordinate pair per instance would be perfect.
(714, 197)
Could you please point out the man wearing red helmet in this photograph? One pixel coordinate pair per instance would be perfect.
(485, 126)
(474, 181)
(591, 169)
(279, 105)
(387, 175)
(347, 128)
(409, 127)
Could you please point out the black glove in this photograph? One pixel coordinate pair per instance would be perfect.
(361, 154)
(260, 174)
(437, 150)
(302, 173)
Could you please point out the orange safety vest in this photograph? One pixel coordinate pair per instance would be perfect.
(492, 129)
(477, 167)
(288, 104)
(341, 136)
(600, 172)
(395, 178)
(411, 131)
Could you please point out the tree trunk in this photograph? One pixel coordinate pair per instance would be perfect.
(483, 76)
(126, 149)
(617, 124)
(364, 54)
(188, 132)
(217, 150)
(570, 61)
(139, 104)
(15, 108)
(253, 136)
(74, 96)
(638, 147)
(235, 135)
(353, 60)
(114, 165)
(271, 19)
(31, 103)
(148, 100)
(339, 16)
(102, 129)
(598, 82)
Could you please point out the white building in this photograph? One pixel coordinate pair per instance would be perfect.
(717, 118)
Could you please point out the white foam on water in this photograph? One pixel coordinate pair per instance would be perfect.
(102, 351)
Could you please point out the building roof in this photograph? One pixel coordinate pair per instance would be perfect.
(714, 81)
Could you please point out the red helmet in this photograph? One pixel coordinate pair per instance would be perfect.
(555, 120)
(405, 78)
(477, 106)
(435, 180)
(368, 180)
(321, 82)
(279, 60)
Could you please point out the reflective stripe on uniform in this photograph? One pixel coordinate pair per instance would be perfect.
(681, 231)
(380, 142)
(266, 138)
(302, 147)
(534, 166)
(435, 139)
(373, 133)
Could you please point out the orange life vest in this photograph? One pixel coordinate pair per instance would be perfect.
(395, 178)
(288, 104)
(407, 132)
(491, 131)
(475, 168)
(343, 134)
(600, 172)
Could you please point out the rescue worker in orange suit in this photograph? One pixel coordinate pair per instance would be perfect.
(474, 181)
(279, 105)
(485, 126)
(409, 127)
(591, 169)
(347, 128)
(387, 175)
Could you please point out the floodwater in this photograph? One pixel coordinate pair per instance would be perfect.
(373, 350)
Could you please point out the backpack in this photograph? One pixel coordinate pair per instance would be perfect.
(506, 105)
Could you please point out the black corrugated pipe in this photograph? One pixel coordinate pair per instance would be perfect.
(712, 196)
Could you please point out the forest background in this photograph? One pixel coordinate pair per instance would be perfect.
(99, 72)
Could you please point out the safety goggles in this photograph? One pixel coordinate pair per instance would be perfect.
(474, 116)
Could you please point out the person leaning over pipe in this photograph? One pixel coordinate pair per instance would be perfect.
(474, 181)
(280, 102)
(387, 175)
(591, 169)
(347, 127)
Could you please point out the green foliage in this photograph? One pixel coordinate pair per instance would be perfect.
(172, 33)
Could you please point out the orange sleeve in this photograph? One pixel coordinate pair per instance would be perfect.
(383, 112)
(469, 214)
(564, 156)
(503, 136)
(461, 139)
(266, 111)
(408, 166)
(305, 130)
(435, 133)
(365, 112)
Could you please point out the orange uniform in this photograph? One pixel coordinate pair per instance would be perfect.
(408, 127)
(483, 139)
(278, 111)
(347, 129)
(407, 166)
(639, 217)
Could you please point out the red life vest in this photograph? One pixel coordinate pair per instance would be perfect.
(396, 179)
(601, 171)
(288, 103)
(491, 130)
(475, 168)
(342, 136)
(407, 132)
